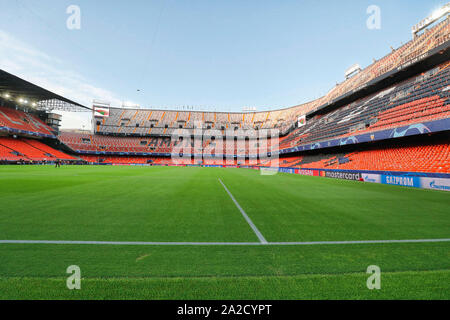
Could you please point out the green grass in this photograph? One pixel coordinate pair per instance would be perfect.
(399, 285)
(170, 204)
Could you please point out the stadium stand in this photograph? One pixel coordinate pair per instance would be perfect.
(28, 149)
(432, 157)
(129, 160)
(8, 154)
(19, 120)
(419, 99)
(48, 150)
(89, 142)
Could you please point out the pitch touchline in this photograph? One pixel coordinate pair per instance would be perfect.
(141, 243)
(249, 221)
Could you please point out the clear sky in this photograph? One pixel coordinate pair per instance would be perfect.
(209, 54)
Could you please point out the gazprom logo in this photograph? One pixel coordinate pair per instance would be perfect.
(367, 179)
(433, 185)
(400, 181)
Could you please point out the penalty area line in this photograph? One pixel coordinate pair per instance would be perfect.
(143, 243)
(246, 217)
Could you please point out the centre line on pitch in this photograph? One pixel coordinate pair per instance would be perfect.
(246, 217)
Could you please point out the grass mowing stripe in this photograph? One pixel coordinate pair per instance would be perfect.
(395, 285)
(250, 222)
(140, 243)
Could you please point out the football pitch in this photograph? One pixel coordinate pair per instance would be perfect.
(213, 233)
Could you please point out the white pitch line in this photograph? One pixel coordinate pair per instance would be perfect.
(249, 221)
(130, 243)
(306, 243)
(143, 243)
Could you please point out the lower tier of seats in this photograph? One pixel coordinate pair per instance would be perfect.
(410, 157)
(12, 149)
(432, 157)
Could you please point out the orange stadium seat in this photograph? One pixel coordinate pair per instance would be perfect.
(416, 158)
(28, 149)
(19, 120)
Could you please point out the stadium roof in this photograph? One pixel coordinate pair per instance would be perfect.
(24, 92)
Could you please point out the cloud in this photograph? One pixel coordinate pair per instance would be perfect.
(73, 120)
(49, 72)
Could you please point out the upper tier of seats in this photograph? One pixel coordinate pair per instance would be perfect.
(160, 122)
(19, 120)
(421, 98)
